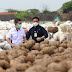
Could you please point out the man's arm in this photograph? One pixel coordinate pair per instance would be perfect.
(8, 40)
(44, 36)
(45, 33)
(24, 38)
(8, 37)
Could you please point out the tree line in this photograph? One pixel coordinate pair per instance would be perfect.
(23, 15)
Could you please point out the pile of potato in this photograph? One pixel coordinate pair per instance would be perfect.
(47, 56)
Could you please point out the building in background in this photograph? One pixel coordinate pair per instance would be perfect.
(7, 16)
(49, 17)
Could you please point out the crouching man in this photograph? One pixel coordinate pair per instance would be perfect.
(37, 32)
(16, 35)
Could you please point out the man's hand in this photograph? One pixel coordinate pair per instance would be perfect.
(26, 41)
(39, 39)
(8, 40)
(12, 45)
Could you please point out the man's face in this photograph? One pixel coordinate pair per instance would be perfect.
(35, 20)
(19, 22)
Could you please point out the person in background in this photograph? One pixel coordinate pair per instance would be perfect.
(37, 32)
(16, 35)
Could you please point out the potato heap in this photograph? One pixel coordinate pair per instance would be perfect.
(47, 56)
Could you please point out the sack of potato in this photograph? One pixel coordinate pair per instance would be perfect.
(53, 29)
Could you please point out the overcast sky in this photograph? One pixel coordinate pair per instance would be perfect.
(31, 4)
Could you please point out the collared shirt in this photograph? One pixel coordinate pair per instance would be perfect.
(16, 36)
(38, 31)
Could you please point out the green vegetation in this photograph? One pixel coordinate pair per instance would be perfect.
(67, 7)
(28, 14)
(24, 15)
(64, 18)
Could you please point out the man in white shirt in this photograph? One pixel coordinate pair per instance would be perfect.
(16, 34)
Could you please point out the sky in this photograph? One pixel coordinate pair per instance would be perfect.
(51, 5)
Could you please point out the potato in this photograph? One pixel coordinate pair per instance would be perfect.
(52, 29)
(20, 47)
(70, 70)
(61, 49)
(4, 64)
(29, 44)
(29, 63)
(57, 59)
(21, 52)
(51, 70)
(67, 56)
(10, 57)
(48, 50)
(34, 52)
(54, 43)
(53, 47)
(3, 53)
(36, 47)
(20, 59)
(23, 48)
(36, 68)
(43, 62)
(58, 67)
(12, 51)
(56, 51)
(11, 70)
(21, 67)
(5, 58)
(69, 64)
(23, 45)
(43, 45)
(30, 57)
(67, 51)
(12, 54)
(1, 70)
(15, 48)
(39, 56)
(69, 45)
(46, 56)
(63, 45)
(13, 62)
(44, 42)
(27, 50)
(66, 41)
